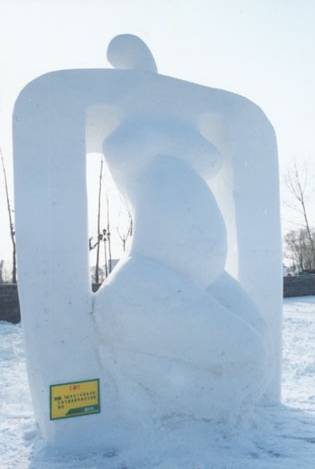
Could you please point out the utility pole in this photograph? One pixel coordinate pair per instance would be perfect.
(12, 229)
(99, 235)
(109, 239)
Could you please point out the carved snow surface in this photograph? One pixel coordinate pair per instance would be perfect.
(169, 339)
(281, 437)
(189, 324)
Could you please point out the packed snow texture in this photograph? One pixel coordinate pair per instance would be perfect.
(185, 326)
(280, 437)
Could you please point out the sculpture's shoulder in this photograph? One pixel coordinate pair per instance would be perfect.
(61, 82)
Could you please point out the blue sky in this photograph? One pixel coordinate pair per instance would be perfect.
(263, 50)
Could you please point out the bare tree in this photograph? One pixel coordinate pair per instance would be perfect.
(103, 235)
(299, 252)
(124, 235)
(1, 271)
(297, 183)
(105, 252)
(10, 211)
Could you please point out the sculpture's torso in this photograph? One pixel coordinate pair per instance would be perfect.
(170, 286)
(177, 220)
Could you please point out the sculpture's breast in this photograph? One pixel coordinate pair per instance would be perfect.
(134, 145)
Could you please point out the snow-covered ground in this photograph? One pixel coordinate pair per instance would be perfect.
(280, 437)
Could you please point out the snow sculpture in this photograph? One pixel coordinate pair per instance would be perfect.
(189, 323)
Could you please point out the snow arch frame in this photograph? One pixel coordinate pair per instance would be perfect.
(52, 135)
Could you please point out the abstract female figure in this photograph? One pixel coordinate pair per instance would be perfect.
(189, 323)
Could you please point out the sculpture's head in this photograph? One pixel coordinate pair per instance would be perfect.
(127, 51)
